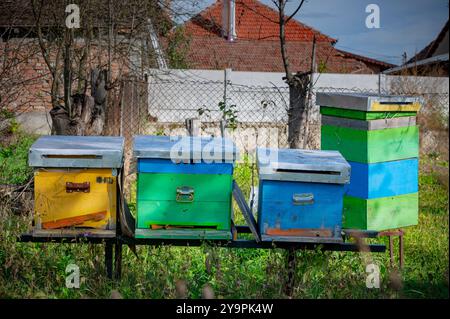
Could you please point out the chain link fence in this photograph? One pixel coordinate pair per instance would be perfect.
(257, 115)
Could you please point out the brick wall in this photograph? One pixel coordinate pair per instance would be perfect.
(26, 86)
(24, 78)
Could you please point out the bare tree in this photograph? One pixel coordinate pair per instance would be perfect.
(12, 80)
(84, 67)
(112, 42)
(14, 52)
(300, 84)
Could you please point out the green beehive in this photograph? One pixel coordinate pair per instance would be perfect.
(377, 135)
(184, 187)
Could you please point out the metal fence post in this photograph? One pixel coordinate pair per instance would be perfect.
(226, 80)
(193, 127)
(381, 83)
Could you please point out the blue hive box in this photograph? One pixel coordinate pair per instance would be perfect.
(300, 195)
(383, 179)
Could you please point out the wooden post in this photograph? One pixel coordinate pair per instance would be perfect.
(118, 245)
(390, 234)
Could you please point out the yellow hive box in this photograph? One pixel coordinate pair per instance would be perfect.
(75, 197)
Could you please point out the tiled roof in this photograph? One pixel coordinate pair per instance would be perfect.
(257, 46)
(254, 21)
(265, 56)
(366, 59)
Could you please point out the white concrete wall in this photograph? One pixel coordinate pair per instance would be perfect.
(275, 79)
(36, 122)
(175, 95)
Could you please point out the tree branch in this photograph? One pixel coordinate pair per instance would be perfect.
(37, 18)
(282, 24)
(295, 12)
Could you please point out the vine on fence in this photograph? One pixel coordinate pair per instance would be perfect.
(229, 113)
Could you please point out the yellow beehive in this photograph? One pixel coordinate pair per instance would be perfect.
(75, 182)
(75, 197)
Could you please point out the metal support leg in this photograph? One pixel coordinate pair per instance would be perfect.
(291, 271)
(391, 250)
(390, 235)
(109, 259)
(400, 248)
(118, 261)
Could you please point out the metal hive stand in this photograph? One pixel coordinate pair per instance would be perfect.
(113, 246)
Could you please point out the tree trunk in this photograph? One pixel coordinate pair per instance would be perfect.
(298, 102)
(60, 121)
(87, 111)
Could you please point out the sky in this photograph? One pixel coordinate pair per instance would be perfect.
(405, 25)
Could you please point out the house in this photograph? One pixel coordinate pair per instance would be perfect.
(431, 61)
(244, 35)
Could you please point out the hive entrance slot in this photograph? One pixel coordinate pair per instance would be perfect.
(155, 227)
(305, 171)
(396, 103)
(74, 156)
(305, 232)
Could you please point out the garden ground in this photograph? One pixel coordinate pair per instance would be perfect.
(36, 270)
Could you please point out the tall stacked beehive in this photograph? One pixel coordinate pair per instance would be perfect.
(379, 137)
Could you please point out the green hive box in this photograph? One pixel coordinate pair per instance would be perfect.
(371, 129)
(381, 213)
(210, 207)
(371, 146)
(363, 115)
(184, 187)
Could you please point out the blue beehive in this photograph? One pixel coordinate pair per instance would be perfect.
(301, 194)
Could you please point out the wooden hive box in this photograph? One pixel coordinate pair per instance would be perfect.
(301, 194)
(184, 187)
(369, 128)
(379, 137)
(75, 184)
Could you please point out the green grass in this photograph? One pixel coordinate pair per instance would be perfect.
(31, 270)
(13, 160)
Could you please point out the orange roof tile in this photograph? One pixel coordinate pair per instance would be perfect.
(254, 21)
